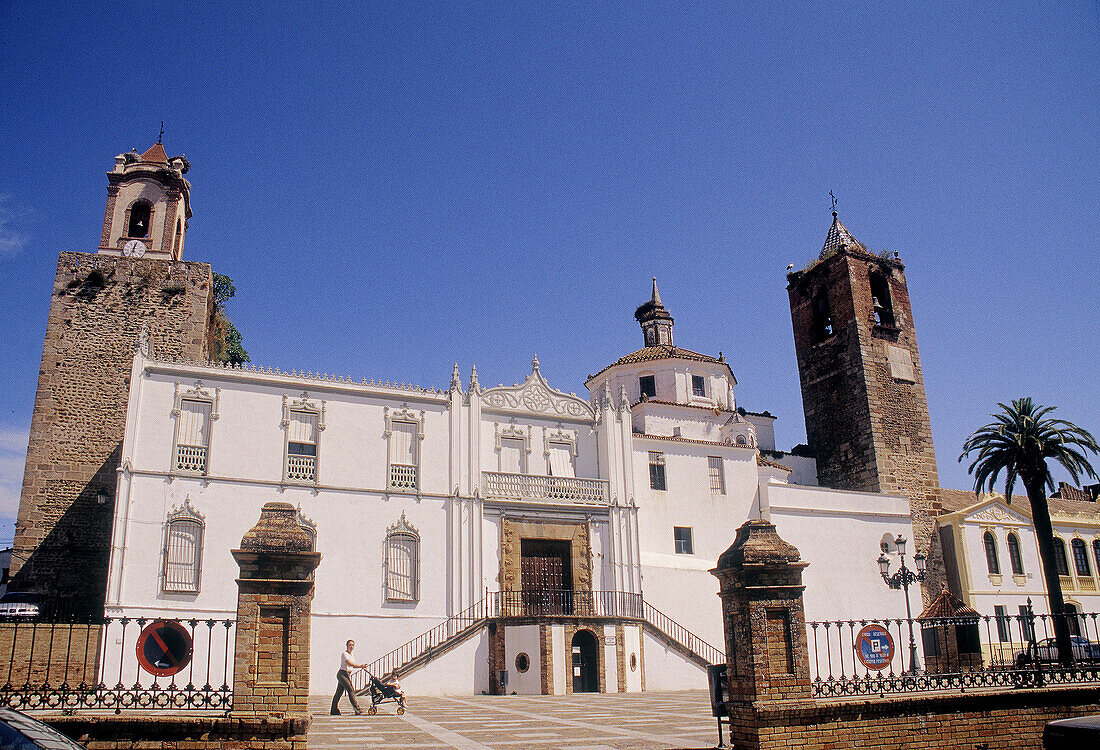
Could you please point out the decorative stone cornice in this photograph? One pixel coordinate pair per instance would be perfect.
(535, 397)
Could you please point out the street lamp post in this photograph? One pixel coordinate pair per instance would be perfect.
(901, 580)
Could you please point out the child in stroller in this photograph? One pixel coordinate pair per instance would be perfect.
(386, 689)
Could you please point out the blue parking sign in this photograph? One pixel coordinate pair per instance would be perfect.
(874, 647)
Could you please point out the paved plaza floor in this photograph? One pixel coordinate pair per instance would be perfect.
(651, 721)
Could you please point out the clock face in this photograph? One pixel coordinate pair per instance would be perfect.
(134, 249)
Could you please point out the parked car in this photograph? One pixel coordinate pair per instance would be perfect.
(20, 604)
(1046, 651)
(20, 732)
(1072, 734)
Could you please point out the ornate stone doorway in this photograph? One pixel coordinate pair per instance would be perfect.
(546, 577)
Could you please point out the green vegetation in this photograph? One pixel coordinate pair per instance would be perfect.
(1020, 441)
(225, 341)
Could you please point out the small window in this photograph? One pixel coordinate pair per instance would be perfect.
(1014, 557)
(140, 214)
(881, 303)
(523, 662)
(822, 325)
(301, 446)
(402, 562)
(657, 470)
(192, 435)
(561, 460)
(1004, 623)
(698, 385)
(513, 455)
(647, 386)
(1060, 563)
(178, 239)
(681, 536)
(717, 480)
(1080, 558)
(1027, 625)
(403, 455)
(991, 561)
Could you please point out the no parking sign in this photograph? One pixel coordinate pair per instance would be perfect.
(874, 647)
(163, 648)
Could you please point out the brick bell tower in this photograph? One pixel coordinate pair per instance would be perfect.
(100, 306)
(862, 386)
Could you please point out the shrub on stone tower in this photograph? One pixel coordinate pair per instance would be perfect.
(1021, 441)
(225, 344)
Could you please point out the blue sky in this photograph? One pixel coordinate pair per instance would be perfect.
(396, 187)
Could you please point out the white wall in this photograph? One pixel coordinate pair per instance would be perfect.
(666, 669)
(523, 639)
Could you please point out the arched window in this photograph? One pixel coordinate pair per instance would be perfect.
(140, 214)
(402, 562)
(183, 549)
(1060, 563)
(1096, 552)
(882, 304)
(1080, 557)
(1014, 557)
(991, 561)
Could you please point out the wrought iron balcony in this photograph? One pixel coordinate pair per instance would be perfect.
(191, 458)
(545, 489)
(301, 468)
(402, 477)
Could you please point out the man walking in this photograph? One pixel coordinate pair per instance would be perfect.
(343, 681)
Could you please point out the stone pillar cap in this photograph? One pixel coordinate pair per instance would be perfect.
(278, 530)
(758, 543)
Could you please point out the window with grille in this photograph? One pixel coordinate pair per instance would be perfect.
(183, 555)
(717, 479)
(647, 386)
(1080, 557)
(402, 563)
(681, 537)
(561, 460)
(301, 446)
(1014, 557)
(1060, 563)
(192, 435)
(698, 385)
(991, 561)
(656, 470)
(404, 444)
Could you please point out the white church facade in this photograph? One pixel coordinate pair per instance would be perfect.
(578, 533)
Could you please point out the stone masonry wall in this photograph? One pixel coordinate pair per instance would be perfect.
(98, 307)
(870, 431)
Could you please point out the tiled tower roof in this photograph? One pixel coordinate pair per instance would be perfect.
(838, 236)
(155, 154)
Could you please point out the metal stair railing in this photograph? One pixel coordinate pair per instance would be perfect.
(677, 633)
(450, 629)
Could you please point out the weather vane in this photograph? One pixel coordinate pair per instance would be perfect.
(834, 201)
(161, 137)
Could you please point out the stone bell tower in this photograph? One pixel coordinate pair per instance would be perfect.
(862, 385)
(135, 289)
(148, 205)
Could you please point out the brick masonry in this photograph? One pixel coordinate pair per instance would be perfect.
(770, 704)
(869, 430)
(177, 732)
(98, 307)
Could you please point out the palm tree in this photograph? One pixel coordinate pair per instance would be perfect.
(1019, 442)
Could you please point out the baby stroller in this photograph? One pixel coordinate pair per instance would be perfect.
(380, 693)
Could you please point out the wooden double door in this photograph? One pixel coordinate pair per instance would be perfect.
(546, 577)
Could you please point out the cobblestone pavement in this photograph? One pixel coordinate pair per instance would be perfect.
(649, 721)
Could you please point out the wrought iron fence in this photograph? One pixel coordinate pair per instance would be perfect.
(117, 663)
(949, 653)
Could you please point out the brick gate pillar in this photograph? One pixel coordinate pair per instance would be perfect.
(760, 584)
(274, 595)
